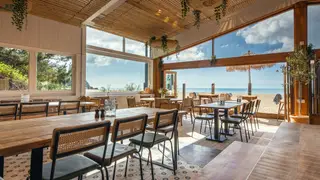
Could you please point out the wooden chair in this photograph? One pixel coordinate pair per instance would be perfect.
(162, 121)
(67, 142)
(159, 101)
(36, 109)
(65, 106)
(256, 111)
(121, 102)
(131, 102)
(8, 111)
(187, 104)
(132, 127)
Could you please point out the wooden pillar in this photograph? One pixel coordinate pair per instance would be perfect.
(300, 39)
(183, 90)
(156, 77)
(213, 88)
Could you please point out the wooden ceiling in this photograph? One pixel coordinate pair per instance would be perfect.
(72, 12)
(135, 19)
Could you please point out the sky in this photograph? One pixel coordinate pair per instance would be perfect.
(269, 36)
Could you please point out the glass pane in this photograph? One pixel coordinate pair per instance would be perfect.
(272, 35)
(108, 74)
(54, 72)
(200, 52)
(14, 65)
(103, 39)
(135, 47)
(314, 25)
(266, 83)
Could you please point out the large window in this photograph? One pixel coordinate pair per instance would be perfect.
(135, 47)
(108, 74)
(14, 65)
(266, 83)
(272, 35)
(314, 25)
(200, 52)
(104, 39)
(54, 72)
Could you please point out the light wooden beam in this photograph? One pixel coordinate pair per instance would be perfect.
(106, 9)
(233, 61)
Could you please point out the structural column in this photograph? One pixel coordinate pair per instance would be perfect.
(300, 39)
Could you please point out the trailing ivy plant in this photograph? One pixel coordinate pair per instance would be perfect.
(197, 19)
(220, 10)
(213, 60)
(164, 44)
(184, 8)
(298, 64)
(19, 13)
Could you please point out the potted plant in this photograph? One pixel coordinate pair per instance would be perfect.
(299, 68)
(163, 42)
(163, 92)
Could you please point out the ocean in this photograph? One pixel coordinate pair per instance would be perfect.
(235, 90)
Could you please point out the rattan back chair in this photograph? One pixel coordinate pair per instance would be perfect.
(65, 106)
(67, 142)
(159, 101)
(131, 102)
(123, 128)
(256, 111)
(34, 108)
(8, 111)
(162, 120)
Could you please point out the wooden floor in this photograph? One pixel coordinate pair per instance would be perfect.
(292, 154)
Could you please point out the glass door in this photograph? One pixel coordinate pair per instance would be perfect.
(170, 83)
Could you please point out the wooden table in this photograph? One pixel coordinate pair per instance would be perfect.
(35, 134)
(216, 106)
(151, 100)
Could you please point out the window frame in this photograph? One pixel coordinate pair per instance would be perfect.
(125, 56)
(32, 74)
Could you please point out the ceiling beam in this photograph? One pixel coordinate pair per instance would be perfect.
(106, 9)
(232, 61)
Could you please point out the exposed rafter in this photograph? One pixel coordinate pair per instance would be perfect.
(106, 9)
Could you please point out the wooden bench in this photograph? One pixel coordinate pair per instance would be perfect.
(235, 162)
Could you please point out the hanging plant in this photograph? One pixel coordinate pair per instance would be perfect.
(184, 8)
(19, 13)
(197, 19)
(213, 60)
(164, 44)
(221, 10)
(160, 65)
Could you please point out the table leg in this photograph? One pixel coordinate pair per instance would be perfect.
(36, 164)
(226, 125)
(217, 136)
(1, 166)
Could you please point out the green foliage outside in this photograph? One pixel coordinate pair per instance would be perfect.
(53, 72)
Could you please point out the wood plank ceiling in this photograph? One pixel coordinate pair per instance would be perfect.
(135, 19)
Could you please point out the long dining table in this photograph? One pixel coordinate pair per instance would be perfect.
(216, 106)
(20, 136)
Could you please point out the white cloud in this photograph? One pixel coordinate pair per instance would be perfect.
(275, 30)
(191, 54)
(99, 60)
(224, 45)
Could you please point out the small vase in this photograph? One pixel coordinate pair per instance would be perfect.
(163, 96)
